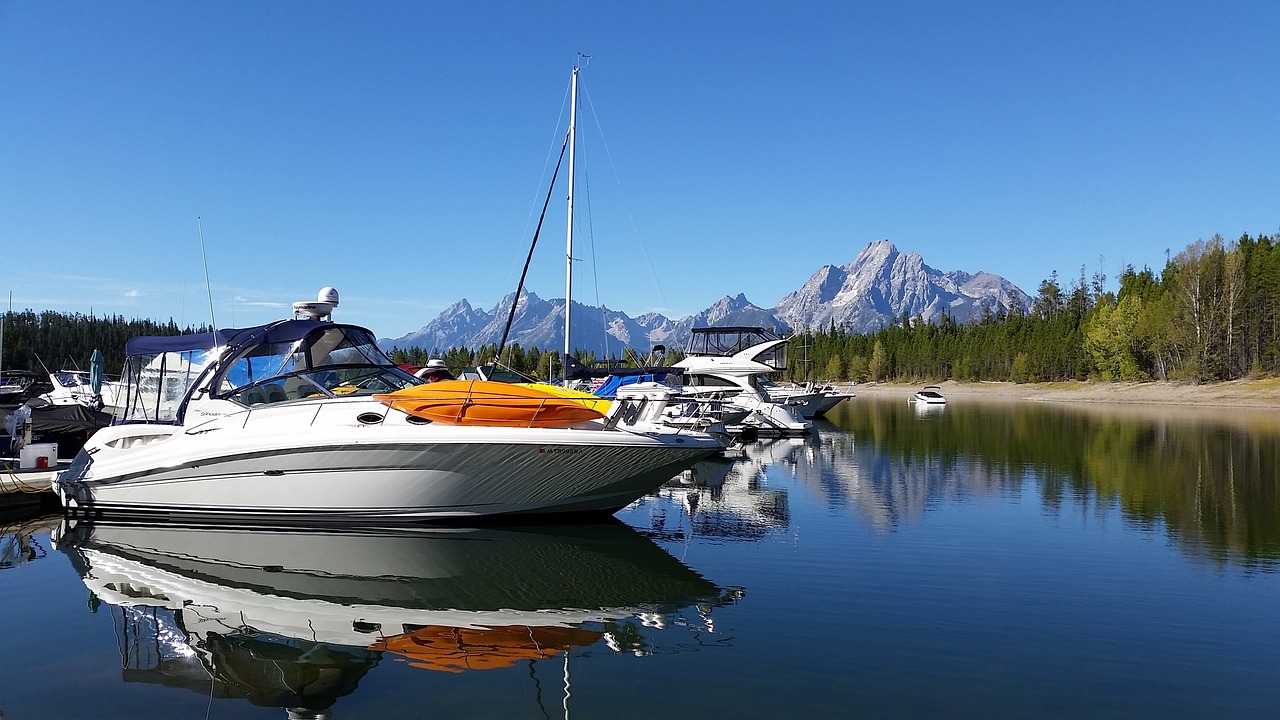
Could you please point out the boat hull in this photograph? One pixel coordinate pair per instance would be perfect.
(393, 470)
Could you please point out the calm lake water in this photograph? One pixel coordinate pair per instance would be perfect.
(979, 560)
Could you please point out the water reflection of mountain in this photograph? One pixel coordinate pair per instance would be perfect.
(1214, 487)
(296, 618)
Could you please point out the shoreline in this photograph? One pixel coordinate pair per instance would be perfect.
(1234, 394)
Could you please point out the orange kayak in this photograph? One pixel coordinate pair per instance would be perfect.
(481, 402)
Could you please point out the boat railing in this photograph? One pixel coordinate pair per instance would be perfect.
(316, 406)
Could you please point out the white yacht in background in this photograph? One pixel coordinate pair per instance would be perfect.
(279, 421)
(75, 387)
(826, 396)
(730, 361)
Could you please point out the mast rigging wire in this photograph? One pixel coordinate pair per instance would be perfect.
(520, 286)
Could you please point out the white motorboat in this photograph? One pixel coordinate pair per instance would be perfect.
(257, 610)
(279, 421)
(929, 395)
(828, 396)
(19, 386)
(75, 387)
(729, 361)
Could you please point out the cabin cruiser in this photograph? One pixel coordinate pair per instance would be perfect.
(280, 421)
(708, 412)
(75, 387)
(729, 361)
(19, 386)
(827, 396)
(296, 617)
(929, 395)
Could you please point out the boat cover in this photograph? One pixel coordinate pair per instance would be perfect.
(578, 371)
(609, 388)
(278, 332)
(67, 425)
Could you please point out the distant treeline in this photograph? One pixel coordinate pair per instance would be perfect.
(34, 341)
(1212, 314)
(533, 362)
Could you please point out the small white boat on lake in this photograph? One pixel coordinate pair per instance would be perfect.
(929, 395)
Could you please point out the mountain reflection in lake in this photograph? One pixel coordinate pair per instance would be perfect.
(1212, 486)
(974, 560)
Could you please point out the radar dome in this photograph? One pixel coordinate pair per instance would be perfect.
(328, 295)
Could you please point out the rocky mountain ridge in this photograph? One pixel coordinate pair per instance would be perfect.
(879, 286)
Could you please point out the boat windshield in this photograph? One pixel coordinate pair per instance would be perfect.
(70, 379)
(330, 361)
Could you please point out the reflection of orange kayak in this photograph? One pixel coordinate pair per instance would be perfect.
(451, 649)
(481, 402)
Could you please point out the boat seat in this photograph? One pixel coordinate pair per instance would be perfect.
(253, 396)
(297, 388)
(274, 393)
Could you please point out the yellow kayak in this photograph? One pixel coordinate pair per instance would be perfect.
(598, 404)
(481, 402)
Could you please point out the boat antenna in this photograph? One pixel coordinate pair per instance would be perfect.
(207, 287)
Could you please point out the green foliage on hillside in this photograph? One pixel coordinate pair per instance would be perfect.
(33, 340)
(1212, 314)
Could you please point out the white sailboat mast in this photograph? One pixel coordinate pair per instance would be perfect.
(568, 253)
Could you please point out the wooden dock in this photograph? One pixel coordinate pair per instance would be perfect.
(22, 488)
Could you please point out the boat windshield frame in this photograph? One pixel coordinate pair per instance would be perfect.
(300, 358)
(329, 361)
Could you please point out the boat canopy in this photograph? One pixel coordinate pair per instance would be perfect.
(318, 358)
(577, 371)
(728, 341)
(285, 330)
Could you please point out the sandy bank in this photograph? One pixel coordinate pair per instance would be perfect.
(1251, 394)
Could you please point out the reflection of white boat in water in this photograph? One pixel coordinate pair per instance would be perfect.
(263, 612)
(929, 395)
(290, 420)
(732, 498)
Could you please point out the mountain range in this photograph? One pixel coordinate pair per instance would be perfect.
(880, 286)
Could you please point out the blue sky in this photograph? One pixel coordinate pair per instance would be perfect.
(399, 151)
